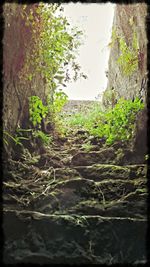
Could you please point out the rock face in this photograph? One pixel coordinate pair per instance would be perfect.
(17, 45)
(127, 20)
(140, 139)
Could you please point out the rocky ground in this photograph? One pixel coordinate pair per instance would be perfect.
(69, 205)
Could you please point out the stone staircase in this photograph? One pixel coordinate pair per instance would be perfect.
(83, 209)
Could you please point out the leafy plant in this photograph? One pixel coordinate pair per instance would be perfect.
(55, 109)
(37, 110)
(54, 45)
(59, 100)
(45, 138)
(16, 138)
(115, 124)
(120, 120)
(52, 55)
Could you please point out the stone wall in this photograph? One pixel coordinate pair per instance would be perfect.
(126, 17)
(75, 106)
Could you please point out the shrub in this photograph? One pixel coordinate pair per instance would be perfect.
(115, 124)
(120, 121)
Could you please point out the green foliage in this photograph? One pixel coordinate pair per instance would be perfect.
(17, 138)
(45, 138)
(59, 100)
(55, 45)
(32, 134)
(120, 120)
(55, 108)
(52, 55)
(85, 119)
(51, 111)
(114, 124)
(37, 110)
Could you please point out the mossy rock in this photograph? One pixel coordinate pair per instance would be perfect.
(98, 172)
(88, 158)
(66, 173)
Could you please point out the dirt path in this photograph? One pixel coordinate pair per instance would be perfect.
(69, 205)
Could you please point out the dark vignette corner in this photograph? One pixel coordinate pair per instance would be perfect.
(148, 126)
(1, 124)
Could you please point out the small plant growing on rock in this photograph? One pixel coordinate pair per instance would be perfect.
(87, 146)
(129, 53)
(128, 59)
(45, 138)
(16, 138)
(110, 97)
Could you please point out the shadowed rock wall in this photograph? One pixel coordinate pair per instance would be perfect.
(126, 18)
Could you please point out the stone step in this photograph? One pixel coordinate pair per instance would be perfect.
(33, 237)
(108, 155)
(89, 158)
(98, 172)
(66, 173)
(122, 208)
(83, 196)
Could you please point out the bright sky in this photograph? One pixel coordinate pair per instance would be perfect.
(95, 20)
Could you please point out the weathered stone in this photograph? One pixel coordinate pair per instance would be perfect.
(97, 141)
(98, 172)
(83, 158)
(67, 197)
(140, 146)
(66, 173)
(115, 208)
(50, 160)
(128, 156)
